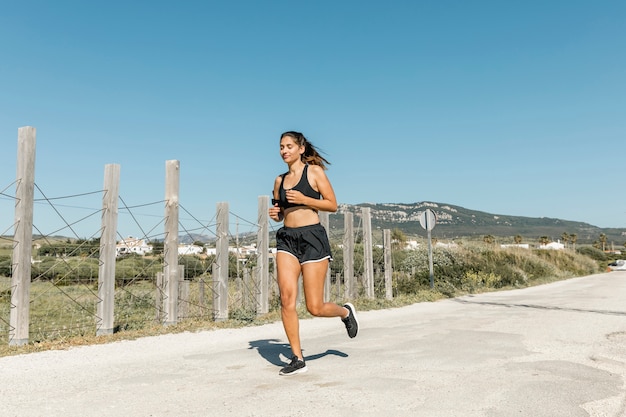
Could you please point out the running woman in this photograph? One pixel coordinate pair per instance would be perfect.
(302, 245)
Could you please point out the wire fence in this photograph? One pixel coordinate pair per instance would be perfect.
(64, 275)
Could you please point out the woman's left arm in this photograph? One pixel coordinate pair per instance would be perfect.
(319, 181)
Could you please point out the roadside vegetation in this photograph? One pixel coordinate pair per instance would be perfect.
(465, 268)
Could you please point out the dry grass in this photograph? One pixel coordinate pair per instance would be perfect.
(198, 325)
(189, 325)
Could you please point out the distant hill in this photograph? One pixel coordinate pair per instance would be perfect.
(455, 222)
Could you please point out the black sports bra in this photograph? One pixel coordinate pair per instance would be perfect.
(303, 186)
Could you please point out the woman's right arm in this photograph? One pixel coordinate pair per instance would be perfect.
(276, 213)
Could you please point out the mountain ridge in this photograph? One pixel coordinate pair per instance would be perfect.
(454, 222)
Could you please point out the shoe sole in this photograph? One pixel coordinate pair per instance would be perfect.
(353, 312)
(297, 371)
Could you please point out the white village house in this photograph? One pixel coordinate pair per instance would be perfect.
(190, 249)
(516, 245)
(553, 245)
(137, 246)
(131, 245)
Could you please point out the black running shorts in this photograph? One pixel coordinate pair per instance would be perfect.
(306, 243)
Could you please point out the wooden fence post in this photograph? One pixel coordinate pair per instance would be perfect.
(23, 236)
(247, 289)
(170, 246)
(388, 266)
(220, 279)
(368, 259)
(325, 220)
(183, 294)
(262, 248)
(348, 256)
(106, 271)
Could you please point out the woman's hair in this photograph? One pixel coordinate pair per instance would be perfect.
(311, 155)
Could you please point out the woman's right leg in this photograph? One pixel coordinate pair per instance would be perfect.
(288, 269)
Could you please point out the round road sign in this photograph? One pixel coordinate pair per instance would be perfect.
(428, 219)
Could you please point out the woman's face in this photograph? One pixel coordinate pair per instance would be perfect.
(290, 151)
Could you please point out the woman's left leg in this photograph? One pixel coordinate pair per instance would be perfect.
(288, 269)
(313, 278)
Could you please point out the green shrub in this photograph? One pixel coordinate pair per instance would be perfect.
(50, 269)
(473, 281)
(194, 266)
(592, 253)
(478, 267)
(136, 267)
(5, 266)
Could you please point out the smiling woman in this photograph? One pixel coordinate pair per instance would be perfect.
(302, 245)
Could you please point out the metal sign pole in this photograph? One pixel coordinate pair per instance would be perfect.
(428, 219)
(430, 261)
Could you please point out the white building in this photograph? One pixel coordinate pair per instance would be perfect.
(553, 246)
(247, 250)
(190, 249)
(411, 244)
(516, 245)
(132, 245)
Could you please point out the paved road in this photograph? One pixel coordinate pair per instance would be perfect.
(554, 350)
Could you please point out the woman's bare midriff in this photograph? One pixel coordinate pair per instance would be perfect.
(300, 216)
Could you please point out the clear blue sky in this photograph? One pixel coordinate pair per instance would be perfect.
(513, 108)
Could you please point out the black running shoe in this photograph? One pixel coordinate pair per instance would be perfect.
(297, 366)
(352, 324)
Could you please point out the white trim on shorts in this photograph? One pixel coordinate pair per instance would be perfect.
(305, 262)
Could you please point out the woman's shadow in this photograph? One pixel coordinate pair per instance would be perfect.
(271, 350)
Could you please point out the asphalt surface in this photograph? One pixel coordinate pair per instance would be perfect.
(552, 350)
